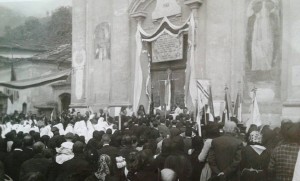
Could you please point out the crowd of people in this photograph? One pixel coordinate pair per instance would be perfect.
(141, 147)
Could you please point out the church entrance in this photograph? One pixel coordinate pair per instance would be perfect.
(168, 81)
(65, 100)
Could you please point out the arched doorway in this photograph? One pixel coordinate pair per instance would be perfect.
(65, 100)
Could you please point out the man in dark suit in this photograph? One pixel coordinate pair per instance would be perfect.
(112, 152)
(14, 160)
(127, 148)
(225, 154)
(187, 140)
(76, 169)
(107, 149)
(56, 140)
(36, 164)
(27, 147)
(142, 128)
(162, 128)
(102, 114)
(154, 130)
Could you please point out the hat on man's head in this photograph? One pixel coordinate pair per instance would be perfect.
(53, 129)
(69, 136)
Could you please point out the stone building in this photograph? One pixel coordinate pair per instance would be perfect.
(127, 51)
(31, 73)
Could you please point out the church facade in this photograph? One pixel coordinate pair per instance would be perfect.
(134, 52)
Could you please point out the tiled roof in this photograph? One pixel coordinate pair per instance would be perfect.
(62, 53)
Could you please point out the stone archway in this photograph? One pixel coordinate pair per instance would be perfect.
(65, 100)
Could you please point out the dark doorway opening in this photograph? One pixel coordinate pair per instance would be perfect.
(24, 108)
(65, 100)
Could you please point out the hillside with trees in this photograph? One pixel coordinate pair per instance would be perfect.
(41, 33)
(9, 18)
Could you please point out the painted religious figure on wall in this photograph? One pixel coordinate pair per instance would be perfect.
(263, 34)
(102, 41)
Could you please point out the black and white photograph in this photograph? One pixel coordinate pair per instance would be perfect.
(149, 90)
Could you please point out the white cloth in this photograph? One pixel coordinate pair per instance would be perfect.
(46, 131)
(4, 130)
(9, 145)
(258, 149)
(296, 176)
(101, 125)
(204, 152)
(178, 111)
(205, 173)
(32, 121)
(85, 129)
(15, 127)
(35, 128)
(64, 153)
(80, 128)
(26, 128)
(69, 129)
(60, 128)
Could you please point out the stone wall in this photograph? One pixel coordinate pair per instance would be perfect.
(32, 96)
(225, 33)
(290, 56)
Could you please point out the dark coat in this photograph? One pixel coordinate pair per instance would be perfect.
(109, 150)
(36, 164)
(2, 171)
(125, 151)
(160, 160)
(196, 165)
(164, 130)
(112, 152)
(141, 130)
(251, 159)
(148, 173)
(13, 163)
(225, 156)
(76, 169)
(187, 144)
(154, 133)
(181, 164)
(28, 153)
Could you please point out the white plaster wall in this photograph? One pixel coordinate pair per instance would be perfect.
(32, 96)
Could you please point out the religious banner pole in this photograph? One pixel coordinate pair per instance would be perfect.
(106, 110)
(120, 121)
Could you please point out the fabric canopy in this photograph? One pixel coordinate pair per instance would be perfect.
(37, 81)
(166, 26)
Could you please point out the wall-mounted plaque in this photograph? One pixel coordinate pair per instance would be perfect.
(167, 48)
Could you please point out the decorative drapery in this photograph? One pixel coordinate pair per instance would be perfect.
(165, 26)
(190, 83)
(173, 30)
(138, 71)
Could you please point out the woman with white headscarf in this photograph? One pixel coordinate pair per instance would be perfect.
(255, 159)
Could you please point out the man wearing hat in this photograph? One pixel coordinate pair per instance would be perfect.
(56, 140)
